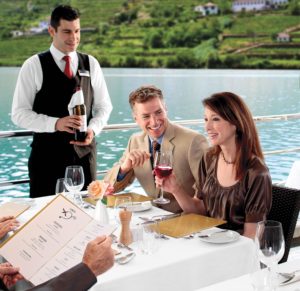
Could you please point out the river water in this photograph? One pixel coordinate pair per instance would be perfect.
(267, 92)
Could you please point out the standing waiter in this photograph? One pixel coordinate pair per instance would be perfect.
(44, 89)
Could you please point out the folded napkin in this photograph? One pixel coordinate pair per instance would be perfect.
(77, 99)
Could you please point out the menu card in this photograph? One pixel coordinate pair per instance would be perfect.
(13, 208)
(53, 241)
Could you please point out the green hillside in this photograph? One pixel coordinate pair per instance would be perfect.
(165, 33)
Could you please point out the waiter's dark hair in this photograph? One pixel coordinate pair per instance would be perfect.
(65, 12)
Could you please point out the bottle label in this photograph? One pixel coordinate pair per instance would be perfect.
(83, 127)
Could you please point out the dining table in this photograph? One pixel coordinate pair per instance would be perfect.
(245, 282)
(185, 263)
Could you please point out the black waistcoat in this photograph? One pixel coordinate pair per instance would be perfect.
(54, 97)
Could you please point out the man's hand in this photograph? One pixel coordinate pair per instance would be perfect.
(68, 123)
(7, 224)
(98, 255)
(133, 159)
(9, 274)
(88, 139)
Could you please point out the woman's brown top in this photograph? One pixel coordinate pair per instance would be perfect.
(249, 200)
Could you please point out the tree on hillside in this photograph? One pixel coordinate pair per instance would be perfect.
(154, 39)
(294, 7)
(225, 7)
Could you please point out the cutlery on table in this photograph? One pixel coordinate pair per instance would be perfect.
(161, 235)
(120, 245)
(125, 259)
(189, 236)
(288, 274)
(290, 277)
(88, 205)
(159, 217)
(209, 235)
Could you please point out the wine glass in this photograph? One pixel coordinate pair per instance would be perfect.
(270, 245)
(162, 168)
(74, 182)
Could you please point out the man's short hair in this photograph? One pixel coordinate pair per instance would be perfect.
(65, 12)
(144, 94)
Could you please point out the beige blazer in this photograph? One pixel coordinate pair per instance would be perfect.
(187, 146)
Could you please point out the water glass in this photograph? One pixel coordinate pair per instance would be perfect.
(60, 187)
(148, 237)
(259, 276)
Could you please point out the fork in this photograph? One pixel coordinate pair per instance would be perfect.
(120, 245)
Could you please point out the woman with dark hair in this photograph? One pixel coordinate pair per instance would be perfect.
(234, 183)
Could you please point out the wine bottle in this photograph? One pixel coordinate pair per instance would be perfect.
(80, 110)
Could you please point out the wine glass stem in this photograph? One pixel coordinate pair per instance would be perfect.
(77, 198)
(161, 193)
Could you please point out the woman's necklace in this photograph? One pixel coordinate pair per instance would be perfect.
(227, 162)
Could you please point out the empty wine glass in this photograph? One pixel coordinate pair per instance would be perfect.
(270, 245)
(162, 168)
(74, 182)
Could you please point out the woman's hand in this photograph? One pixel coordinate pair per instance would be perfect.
(169, 183)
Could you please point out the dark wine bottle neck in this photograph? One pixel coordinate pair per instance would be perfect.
(79, 109)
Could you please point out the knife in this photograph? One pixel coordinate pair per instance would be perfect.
(160, 217)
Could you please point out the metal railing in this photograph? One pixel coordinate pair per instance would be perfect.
(129, 126)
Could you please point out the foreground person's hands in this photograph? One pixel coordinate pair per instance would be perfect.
(7, 224)
(9, 274)
(98, 255)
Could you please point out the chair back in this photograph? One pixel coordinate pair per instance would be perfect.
(293, 180)
(285, 208)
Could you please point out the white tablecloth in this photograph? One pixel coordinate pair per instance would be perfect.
(179, 264)
(244, 282)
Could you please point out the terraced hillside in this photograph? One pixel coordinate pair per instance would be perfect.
(165, 33)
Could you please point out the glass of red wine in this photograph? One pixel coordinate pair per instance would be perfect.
(162, 169)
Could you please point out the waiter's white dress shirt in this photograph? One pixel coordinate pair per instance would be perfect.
(30, 81)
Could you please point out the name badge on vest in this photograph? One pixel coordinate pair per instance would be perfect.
(84, 73)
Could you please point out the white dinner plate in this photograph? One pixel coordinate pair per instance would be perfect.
(139, 206)
(221, 237)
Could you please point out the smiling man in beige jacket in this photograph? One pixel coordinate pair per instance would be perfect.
(187, 146)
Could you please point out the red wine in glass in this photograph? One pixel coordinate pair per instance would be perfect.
(162, 171)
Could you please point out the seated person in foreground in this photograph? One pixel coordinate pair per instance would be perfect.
(187, 146)
(7, 224)
(97, 259)
(234, 182)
